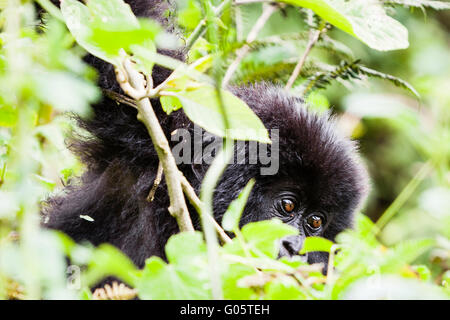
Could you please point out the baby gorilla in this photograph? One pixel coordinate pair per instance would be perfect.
(319, 184)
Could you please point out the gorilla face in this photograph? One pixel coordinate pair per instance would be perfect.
(320, 181)
(290, 206)
(290, 202)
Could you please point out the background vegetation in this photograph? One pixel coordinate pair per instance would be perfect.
(353, 66)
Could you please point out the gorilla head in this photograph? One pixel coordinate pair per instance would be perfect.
(316, 181)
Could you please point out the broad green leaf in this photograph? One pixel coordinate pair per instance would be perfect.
(8, 116)
(186, 277)
(185, 245)
(202, 106)
(170, 104)
(265, 235)
(78, 19)
(190, 15)
(230, 287)
(285, 288)
(65, 92)
(107, 260)
(316, 244)
(390, 287)
(112, 41)
(142, 55)
(103, 27)
(168, 282)
(112, 15)
(232, 216)
(363, 19)
(202, 64)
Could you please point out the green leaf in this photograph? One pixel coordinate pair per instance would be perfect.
(285, 288)
(103, 27)
(390, 287)
(265, 235)
(107, 260)
(169, 282)
(232, 216)
(437, 5)
(363, 19)
(186, 277)
(170, 104)
(230, 287)
(8, 116)
(78, 19)
(112, 15)
(185, 246)
(65, 92)
(142, 55)
(316, 244)
(202, 106)
(190, 15)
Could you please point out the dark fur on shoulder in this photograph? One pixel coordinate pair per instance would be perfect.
(121, 167)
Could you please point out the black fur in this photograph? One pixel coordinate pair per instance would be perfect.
(121, 166)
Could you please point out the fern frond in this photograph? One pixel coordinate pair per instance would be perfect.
(436, 5)
(396, 81)
(321, 80)
(352, 71)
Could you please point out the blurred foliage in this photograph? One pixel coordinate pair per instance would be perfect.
(405, 141)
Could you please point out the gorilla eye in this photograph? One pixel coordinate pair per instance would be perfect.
(314, 222)
(288, 205)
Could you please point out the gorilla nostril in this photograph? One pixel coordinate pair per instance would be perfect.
(289, 246)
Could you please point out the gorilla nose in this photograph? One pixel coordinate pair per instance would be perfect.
(290, 246)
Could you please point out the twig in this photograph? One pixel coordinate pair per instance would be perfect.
(120, 98)
(239, 2)
(403, 197)
(242, 52)
(201, 27)
(133, 83)
(197, 204)
(209, 183)
(313, 37)
(51, 8)
(156, 183)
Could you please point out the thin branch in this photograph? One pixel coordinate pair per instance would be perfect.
(133, 83)
(51, 8)
(120, 98)
(403, 196)
(242, 52)
(158, 178)
(240, 2)
(201, 27)
(313, 38)
(197, 204)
